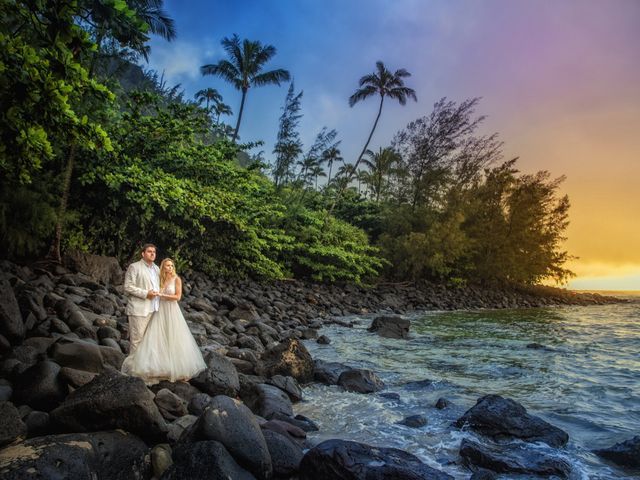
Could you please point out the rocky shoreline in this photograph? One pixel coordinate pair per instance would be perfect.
(67, 412)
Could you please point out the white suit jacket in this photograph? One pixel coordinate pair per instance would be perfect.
(137, 283)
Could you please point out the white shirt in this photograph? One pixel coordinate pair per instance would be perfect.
(155, 280)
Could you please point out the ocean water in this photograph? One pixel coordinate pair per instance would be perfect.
(585, 380)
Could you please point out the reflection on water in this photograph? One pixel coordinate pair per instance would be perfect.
(577, 367)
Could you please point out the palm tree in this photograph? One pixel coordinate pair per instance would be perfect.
(331, 156)
(244, 68)
(317, 171)
(380, 165)
(208, 95)
(221, 109)
(386, 84)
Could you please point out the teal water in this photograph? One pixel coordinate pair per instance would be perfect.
(586, 380)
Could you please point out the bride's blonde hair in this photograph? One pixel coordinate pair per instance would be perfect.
(163, 273)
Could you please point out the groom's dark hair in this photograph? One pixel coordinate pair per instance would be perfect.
(148, 245)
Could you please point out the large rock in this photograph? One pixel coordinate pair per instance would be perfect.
(170, 405)
(390, 326)
(288, 385)
(503, 418)
(289, 358)
(220, 377)
(513, 459)
(112, 401)
(11, 323)
(625, 453)
(40, 386)
(78, 456)
(204, 461)
(102, 269)
(231, 423)
(271, 400)
(286, 454)
(360, 381)
(341, 459)
(11, 427)
(71, 314)
(85, 355)
(328, 372)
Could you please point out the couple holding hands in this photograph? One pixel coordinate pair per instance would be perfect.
(162, 347)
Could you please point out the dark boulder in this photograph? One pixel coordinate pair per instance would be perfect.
(625, 453)
(414, 421)
(11, 427)
(360, 381)
(390, 326)
(85, 355)
(11, 323)
(204, 461)
(289, 358)
(112, 401)
(328, 372)
(40, 386)
(79, 456)
(170, 405)
(220, 377)
(503, 418)
(286, 454)
(287, 384)
(341, 459)
(270, 400)
(513, 459)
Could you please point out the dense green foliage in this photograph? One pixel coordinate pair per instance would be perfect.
(88, 161)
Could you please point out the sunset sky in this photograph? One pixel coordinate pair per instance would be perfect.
(559, 81)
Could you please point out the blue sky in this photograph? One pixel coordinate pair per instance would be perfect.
(559, 81)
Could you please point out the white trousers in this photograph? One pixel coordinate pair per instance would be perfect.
(137, 327)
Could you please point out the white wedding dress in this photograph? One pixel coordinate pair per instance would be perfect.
(167, 351)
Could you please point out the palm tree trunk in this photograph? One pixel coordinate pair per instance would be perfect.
(55, 251)
(355, 166)
(235, 133)
(329, 177)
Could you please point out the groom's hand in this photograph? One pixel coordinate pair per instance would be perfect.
(151, 294)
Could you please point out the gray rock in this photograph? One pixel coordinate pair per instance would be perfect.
(360, 381)
(341, 459)
(625, 453)
(78, 456)
(513, 459)
(199, 403)
(271, 400)
(323, 340)
(231, 423)
(390, 326)
(328, 372)
(100, 268)
(12, 427)
(414, 421)
(160, 459)
(204, 461)
(220, 377)
(85, 355)
(286, 454)
(170, 405)
(503, 418)
(112, 401)
(179, 426)
(40, 387)
(76, 378)
(288, 385)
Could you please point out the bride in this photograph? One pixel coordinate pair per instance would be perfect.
(167, 351)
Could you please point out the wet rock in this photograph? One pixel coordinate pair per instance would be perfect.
(299, 421)
(288, 385)
(418, 384)
(513, 459)
(203, 461)
(503, 418)
(112, 401)
(170, 405)
(78, 456)
(177, 428)
(390, 326)
(323, 340)
(360, 381)
(328, 372)
(341, 459)
(442, 403)
(270, 400)
(625, 453)
(414, 421)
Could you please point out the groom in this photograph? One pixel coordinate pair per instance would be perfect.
(142, 286)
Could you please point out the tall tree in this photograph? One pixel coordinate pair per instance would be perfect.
(331, 156)
(208, 95)
(288, 145)
(380, 166)
(244, 68)
(386, 84)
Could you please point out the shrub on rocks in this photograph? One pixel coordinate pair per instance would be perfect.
(341, 459)
(500, 418)
(78, 456)
(112, 401)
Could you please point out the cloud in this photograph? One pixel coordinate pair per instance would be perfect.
(180, 61)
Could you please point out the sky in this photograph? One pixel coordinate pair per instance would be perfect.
(558, 80)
